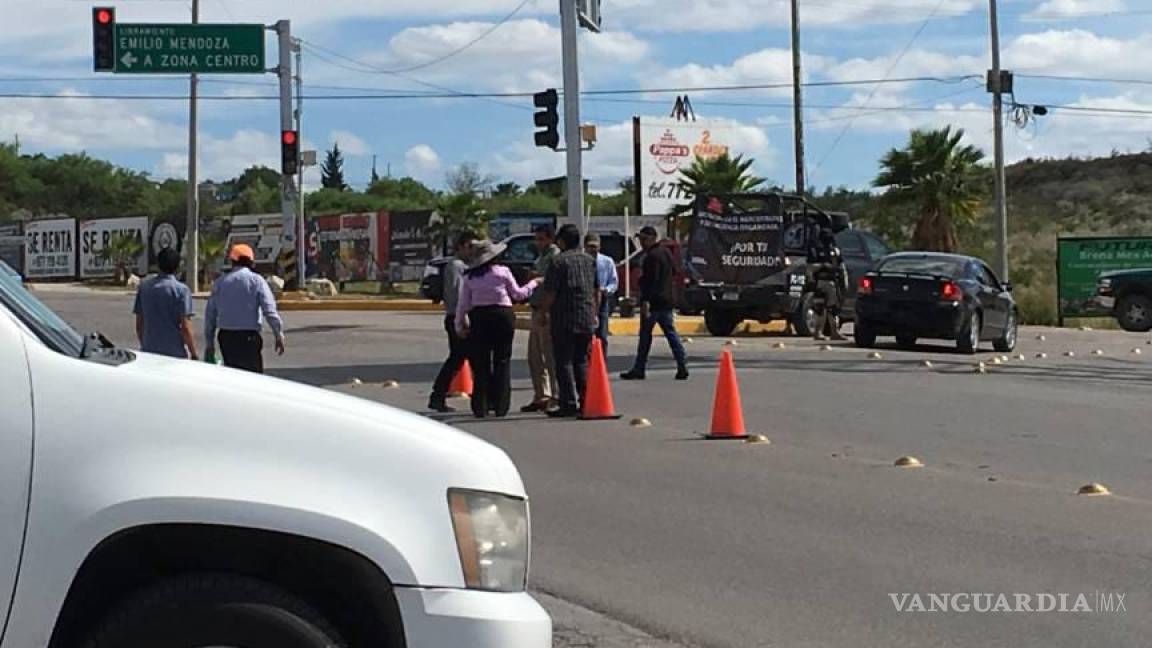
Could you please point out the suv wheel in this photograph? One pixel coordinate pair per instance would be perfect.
(214, 610)
(1134, 313)
(721, 323)
(804, 319)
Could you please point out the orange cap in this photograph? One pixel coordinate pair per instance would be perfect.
(241, 250)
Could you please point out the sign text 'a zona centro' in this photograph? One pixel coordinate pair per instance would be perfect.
(184, 49)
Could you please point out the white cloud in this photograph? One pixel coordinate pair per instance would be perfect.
(523, 55)
(765, 67)
(914, 63)
(1079, 52)
(71, 122)
(1073, 8)
(423, 163)
(224, 158)
(349, 143)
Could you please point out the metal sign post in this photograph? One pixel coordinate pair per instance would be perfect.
(573, 152)
(288, 195)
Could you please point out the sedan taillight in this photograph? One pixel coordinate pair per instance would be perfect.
(865, 287)
(950, 292)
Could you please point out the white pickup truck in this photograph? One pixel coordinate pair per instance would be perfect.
(155, 503)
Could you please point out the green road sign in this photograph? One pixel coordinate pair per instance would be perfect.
(1080, 262)
(183, 49)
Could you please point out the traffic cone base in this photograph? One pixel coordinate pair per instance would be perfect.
(597, 405)
(461, 386)
(727, 410)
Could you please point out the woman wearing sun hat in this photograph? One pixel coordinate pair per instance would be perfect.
(484, 316)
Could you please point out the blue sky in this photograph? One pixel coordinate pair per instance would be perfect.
(645, 44)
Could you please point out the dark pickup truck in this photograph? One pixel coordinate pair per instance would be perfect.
(1127, 294)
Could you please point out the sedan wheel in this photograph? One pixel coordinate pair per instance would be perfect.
(968, 340)
(1007, 341)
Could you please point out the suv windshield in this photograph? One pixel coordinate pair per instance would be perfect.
(937, 266)
(54, 331)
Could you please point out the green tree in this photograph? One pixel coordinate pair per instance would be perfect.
(332, 171)
(257, 198)
(253, 175)
(940, 179)
(506, 190)
(405, 190)
(122, 251)
(467, 179)
(719, 175)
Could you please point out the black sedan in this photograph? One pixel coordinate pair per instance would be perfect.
(914, 295)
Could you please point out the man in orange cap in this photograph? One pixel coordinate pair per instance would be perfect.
(241, 302)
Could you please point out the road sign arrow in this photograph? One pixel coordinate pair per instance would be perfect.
(128, 60)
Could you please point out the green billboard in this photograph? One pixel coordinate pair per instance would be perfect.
(1080, 261)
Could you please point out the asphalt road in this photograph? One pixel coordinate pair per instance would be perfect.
(801, 542)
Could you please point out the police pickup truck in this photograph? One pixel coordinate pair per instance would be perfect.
(746, 258)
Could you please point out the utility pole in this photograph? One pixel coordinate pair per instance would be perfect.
(798, 100)
(193, 225)
(572, 144)
(287, 182)
(996, 86)
(301, 249)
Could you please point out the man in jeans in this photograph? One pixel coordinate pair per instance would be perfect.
(541, 364)
(572, 296)
(457, 352)
(657, 297)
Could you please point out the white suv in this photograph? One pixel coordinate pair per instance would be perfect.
(157, 503)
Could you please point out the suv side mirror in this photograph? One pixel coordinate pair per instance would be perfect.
(1007, 286)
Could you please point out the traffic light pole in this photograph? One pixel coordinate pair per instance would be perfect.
(287, 181)
(301, 251)
(192, 262)
(575, 179)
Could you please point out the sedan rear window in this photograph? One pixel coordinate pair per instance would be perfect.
(935, 266)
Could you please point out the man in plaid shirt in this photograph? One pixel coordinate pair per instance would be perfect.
(572, 295)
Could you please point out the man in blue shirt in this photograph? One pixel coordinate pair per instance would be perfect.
(240, 303)
(163, 311)
(608, 281)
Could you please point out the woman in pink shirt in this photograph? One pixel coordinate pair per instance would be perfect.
(484, 317)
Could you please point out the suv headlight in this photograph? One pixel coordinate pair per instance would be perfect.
(492, 537)
(1104, 286)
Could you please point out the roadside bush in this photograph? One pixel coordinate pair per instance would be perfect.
(1037, 304)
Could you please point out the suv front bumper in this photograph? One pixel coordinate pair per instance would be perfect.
(438, 618)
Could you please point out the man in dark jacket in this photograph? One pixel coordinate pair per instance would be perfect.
(572, 296)
(657, 300)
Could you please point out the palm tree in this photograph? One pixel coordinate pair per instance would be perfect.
(460, 212)
(122, 251)
(212, 249)
(713, 176)
(939, 177)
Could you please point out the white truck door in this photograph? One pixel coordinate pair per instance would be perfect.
(15, 456)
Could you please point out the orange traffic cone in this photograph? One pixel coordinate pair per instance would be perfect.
(461, 386)
(598, 394)
(727, 412)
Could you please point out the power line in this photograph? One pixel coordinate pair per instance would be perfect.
(1084, 79)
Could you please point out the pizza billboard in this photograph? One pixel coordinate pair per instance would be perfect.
(667, 147)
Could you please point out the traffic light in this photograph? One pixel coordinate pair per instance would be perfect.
(289, 152)
(547, 118)
(104, 39)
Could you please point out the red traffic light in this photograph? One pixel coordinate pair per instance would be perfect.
(288, 137)
(103, 16)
